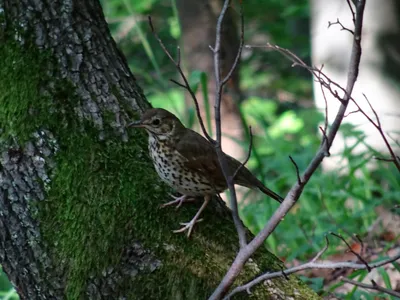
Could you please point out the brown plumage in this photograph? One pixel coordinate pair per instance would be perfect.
(188, 162)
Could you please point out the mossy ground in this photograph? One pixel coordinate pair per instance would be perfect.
(105, 193)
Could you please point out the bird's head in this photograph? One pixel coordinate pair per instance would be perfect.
(160, 123)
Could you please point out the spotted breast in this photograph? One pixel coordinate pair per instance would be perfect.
(170, 167)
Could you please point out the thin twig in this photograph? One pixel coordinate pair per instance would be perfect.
(384, 159)
(373, 111)
(372, 286)
(352, 112)
(319, 76)
(178, 55)
(248, 153)
(186, 86)
(323, 250)
(217, 114)
(307, 266)
(325, 141)
(326, 82)
(246, 252)
(360, 258)
(326, 109)
(239, 53)
(297, 169)
(178, 83)
(341, 25)
(378, 126)
(240, 229)
(361, 242)
(283, 274)
(352, 12)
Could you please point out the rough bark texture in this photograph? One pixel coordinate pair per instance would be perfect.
(79, 199)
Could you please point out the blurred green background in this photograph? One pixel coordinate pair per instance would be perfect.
(277, 103)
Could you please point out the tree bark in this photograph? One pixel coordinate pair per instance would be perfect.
(79, 199)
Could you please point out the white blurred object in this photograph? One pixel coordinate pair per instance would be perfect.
(379, 77)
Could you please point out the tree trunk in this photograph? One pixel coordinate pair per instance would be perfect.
(79, 199)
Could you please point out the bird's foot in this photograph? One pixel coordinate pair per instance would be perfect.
(188, 226)
(178, 200)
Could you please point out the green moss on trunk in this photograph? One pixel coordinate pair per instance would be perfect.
(103, 194)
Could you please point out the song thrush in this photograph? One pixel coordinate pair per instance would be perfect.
(188, 162)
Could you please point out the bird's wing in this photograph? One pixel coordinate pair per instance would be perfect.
(199, 155)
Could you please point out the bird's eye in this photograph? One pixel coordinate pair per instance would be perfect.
(156, 122)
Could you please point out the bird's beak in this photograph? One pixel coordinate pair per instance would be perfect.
(136, 124)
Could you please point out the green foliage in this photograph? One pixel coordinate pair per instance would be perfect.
(333, 201)
(7, 292)
(324, 205)
(101, 194)
(129, 24)
(343, 202)
(285, 23)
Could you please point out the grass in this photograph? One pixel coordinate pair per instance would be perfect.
(341, 200)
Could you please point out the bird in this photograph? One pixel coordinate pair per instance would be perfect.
(188, 162)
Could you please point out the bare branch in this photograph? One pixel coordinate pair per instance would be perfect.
(217, 112)
(307, 266)
(240, 229)
(360, 258)
(239, 53)
(352, 11)
(283, 274)
(361, 242)
(297, 170)
(384, 159)
(186, 86)
(378, 126)
(341, 25)
(319, 76)
(352, 112)
(178, 83)
(178, 56)
(372, 286)
(323, 250)
(248, 153)
(246, 252)
(325, 141)
(326, 109)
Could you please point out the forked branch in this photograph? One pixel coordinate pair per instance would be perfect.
(373, 286)
(246, 252)
(186, 84)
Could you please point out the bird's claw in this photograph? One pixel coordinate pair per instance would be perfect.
(187, 226)
(180, 200)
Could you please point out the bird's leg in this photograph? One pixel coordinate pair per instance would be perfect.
(189, 225)
(178, 200)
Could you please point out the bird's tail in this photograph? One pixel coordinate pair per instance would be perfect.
(245, 178)
(270, 193)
